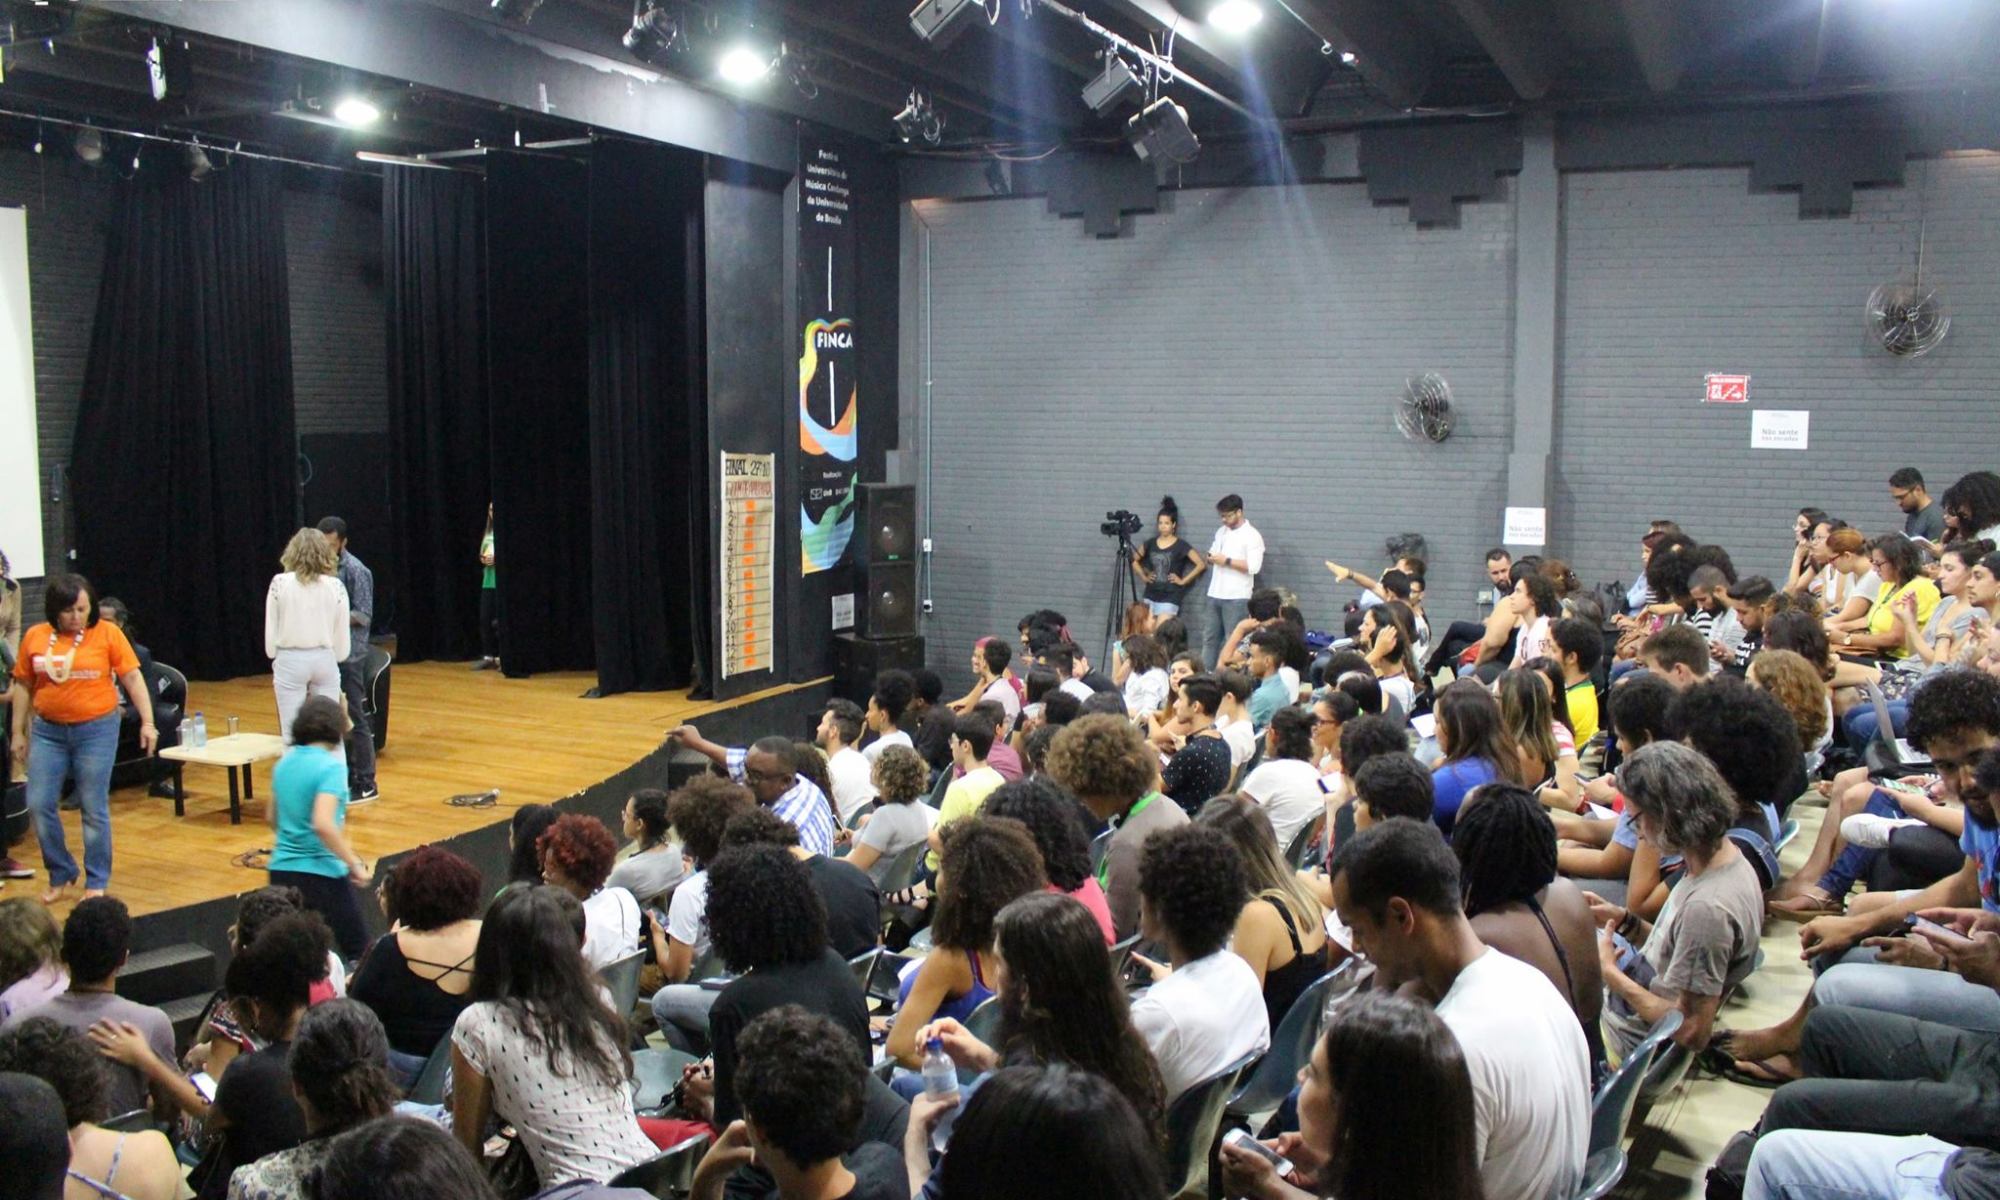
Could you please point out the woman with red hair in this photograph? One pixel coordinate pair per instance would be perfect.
(577, 854)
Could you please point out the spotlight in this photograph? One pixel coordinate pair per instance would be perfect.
(1114, 86)
(939, 22)
(199, 168)
(516, 10)
(919, 119)
(654, 33)
(743, 65)
(1235, 16)
(90, 145)
(1349, 58)
(1160, 130)
(358, 111)
(999, 180)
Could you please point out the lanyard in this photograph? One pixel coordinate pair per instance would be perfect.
(1104, 868)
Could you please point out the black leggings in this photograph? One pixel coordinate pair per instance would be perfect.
(489, 622)
(337, 901)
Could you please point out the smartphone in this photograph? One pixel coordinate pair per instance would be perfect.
(1936, 932)
(1242, 1138)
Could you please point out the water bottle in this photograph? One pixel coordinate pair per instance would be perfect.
(200, 731)
(940, 1073)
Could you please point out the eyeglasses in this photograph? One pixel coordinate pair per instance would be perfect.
(767, 776)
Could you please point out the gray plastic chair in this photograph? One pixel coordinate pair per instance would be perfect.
(1194, 1122)
(622, 978)
(902, 869)
(668, 1175)
(1611, 1109)
(1099, 847)
(1265, 1085)
(1601, 1172)
(1302, 841)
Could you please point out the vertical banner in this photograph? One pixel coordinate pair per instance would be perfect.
(749, 523)
(828, 395)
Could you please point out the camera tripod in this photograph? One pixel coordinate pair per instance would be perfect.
(1124, 591)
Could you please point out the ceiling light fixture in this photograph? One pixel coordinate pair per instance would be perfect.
(198, 165)
(90, 145)
(1349, 58)
(939, 22)
(1160, 131)
(357, 111)
(1235, 16)
(655, 33)
(1114, 86)
(919, 119)
(743, 64)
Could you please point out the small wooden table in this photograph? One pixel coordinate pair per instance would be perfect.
(232, 753)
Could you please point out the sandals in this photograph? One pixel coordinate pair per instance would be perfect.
(1757, 1073)
(915, 896)
(1805, 907)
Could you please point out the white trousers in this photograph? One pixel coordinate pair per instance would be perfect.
(296, 674)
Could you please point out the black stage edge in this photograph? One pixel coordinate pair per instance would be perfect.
(794, 714)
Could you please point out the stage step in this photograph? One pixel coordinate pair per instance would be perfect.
(184, 1012)
(168, 973)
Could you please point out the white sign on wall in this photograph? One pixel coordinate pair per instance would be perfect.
(1526, 527)
(1779, 428)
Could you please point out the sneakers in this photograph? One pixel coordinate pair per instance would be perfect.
(1871, 832)
(487, 664)
(364, 795)
(11, 869)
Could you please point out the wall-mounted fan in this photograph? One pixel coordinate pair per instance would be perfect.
(1423, 411)
(1907, 319)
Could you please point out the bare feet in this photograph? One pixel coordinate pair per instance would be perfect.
(1810, 903)
(1761, 1045)
(56, 894)
(92, 893)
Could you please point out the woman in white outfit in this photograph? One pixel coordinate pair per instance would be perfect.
(305, 625)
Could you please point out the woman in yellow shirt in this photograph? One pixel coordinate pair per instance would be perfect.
(1896, 560)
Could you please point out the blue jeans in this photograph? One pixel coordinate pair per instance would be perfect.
(1164, 608)
(1939, 997)
(87, 751)
(1854, 861)
(1811, 1164)
(1862, 724)
(1218, 620)
(682, 1011)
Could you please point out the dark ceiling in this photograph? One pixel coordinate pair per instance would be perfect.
(1014, 74)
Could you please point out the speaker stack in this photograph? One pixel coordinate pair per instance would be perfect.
(885, 609)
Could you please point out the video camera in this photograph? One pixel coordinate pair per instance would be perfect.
(1120, 524)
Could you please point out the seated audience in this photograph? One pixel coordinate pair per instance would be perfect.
(1608, 848)
(137, 1166)
(31, 968)
(769, 767)
(1966, 580)
(852, 902)
(1578, 647)
(654, 863)
(1677, 654)
(770, 929)
(524, 834)
(1740, 633)
(1396, 887)
(34, 1140)
(840, 727)
(399, 1156)
(1055, 820)
(1386, 1108)
(1109, 767)
(340, 1074)
(1202, 761)
(1798, 687)
(1205, 1009)
(1972, 507)
(901, 818)
(987, 862)
(971, 741)
(417, 977)
(1281, 929)
(1388, 638)
(1802, 1164)
(577, 852)
(801, 1085)
(540, 1049)
(1331, 711)
(700, 810)
(1232, 718)
(1002, 756)
(1389, 786)
(892, 704)
(1545, 748)
(1287, 782)
(1853, 584)
(96, 940)
(1083, 1133)
(1901, 606)
(1752, 741)
(1476, 748)
(1145, 676)
(1059, 1003)
(1704, 942)
(1519, 906)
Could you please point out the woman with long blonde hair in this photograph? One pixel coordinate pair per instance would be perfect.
(1281, 931)
(306, 625)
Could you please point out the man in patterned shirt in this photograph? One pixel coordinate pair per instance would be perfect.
(766, 766)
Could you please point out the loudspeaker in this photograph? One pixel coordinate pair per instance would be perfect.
(887, 517)
(858, 660)
(885, 603)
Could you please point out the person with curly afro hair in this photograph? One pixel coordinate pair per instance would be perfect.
(769, 927)
(1056, 821)
(987, 862)
(1206, 1010)
(577, 854)
(143, 1163)
(1105, 763)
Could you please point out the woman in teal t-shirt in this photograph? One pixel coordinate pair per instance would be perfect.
(308, 809)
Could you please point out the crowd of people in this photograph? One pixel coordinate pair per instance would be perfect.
(962, 948)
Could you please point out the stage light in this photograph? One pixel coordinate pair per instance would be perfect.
(199, 168)
(743, 65)
(358, 111)
(998, 179)
(516, 10)
(1349, 58)
(1160, 130)
(1114, 86)
(1235, 16)
(654, 33)
(939, 22)
(90, 145)
(919, 119)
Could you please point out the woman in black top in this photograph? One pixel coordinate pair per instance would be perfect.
(418, 976)
(1166, 563)
(254, 1110)
(1281, 932)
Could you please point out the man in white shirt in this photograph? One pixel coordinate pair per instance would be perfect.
(846, 768)
(1235, 555)
(1395, 885)
(1205, 1012)
(1232, 720)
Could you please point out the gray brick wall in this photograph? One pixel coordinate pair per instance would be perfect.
(338, 330)
(1669, 275)
(1244, 340)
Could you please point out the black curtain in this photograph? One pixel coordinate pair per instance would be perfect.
(538, 304)
(648, 395)
(434, 256)
(184, 469)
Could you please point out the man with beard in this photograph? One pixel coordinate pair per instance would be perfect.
(1885, 1039)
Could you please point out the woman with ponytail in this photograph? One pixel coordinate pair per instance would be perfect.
(340, 1077)
(1167, 563)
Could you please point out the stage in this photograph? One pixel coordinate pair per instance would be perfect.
(451, 731)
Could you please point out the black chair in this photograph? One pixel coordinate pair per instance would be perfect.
(668, 1175)
(375, 689)
(169, 690)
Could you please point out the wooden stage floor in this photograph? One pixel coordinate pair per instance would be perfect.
(451, 731)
